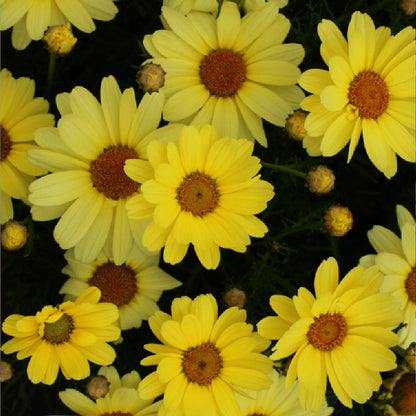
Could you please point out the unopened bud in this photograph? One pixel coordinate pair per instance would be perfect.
(408, 6)
(320, 180)
(13, 235)
(338, 220)
(151, 77)
(97, 387)
(235, 297)
(59, 39)
(295, 125)
(6, 371)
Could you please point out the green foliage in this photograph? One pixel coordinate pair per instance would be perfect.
(279, 263)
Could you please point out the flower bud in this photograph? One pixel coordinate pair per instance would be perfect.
(408, 6)
(402, 386)
(320, 180)
(235, 297)
(295, 125)
(6, 371)
(97, 387)
(151, 77)
(338, 220)
(59, 39)
(13, 235)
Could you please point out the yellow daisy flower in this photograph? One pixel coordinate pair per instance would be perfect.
(204, 192)
(66, 337)
(31, 18)
(203, 358)
(87, 187)
(249, 5)
(369, 89)
(20, 116)
(122, 399)
(277, 400)
(134, 286)
(230, 72)
(185, 6)
(396, 260)
(340, 333)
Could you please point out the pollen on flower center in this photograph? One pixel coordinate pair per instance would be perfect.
(107, 172)
(117, 283)
(369, 94)
(198, 194)
(327, 331)
(410, 285)
(5, 144)
(201, 364)
(58, 331)
(222, 72)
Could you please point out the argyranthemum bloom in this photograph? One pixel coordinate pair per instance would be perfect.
(31, 18)
(203, 358)
(369, 90)
(277, 400)
(230, 72)
(134, 286)
(20, 116)
(249, 5)
(340, 333)
(396, 260)
(185, 6)
(205, 191)
(122, 398)
(65, 337)
(87, 187)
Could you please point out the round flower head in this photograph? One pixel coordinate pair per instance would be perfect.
(6, 371)
(134, 286)
(295, 125)
(341, 333)
(369, 90)
(203, 358)
(277, 400)
(122, 398)
(20, 116)
(338, 220)
(87, 187)
(204, 192)
(230, 72)
(59, 39)
(13, 236)
(66, 337)
(320, 180)
(30, 19)
(396, 260)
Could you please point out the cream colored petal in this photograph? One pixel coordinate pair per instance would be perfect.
(110, 94)
(334, 98)
(185, 103)
(378, 150)
(271, 107)
(390, 263)
(77, 219)
(13, 182)
(24, 129)
(60, 187)
(315, 80)
(383, 239)
(225, 117)
(398, 137)
(76, 13)
(228, 25)
(333, 42)
(18, 157)
(337, 135)
(55, 162)
(38, 18)
(12, 12)
(404, 216)
(205, 24)
(78, 402)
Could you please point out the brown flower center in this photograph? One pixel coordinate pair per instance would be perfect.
(410, 285)
(6, 144)
(107, 172)
(369, 94)
(223, 72)
(327, 331)
(201, 364)
(117, 283)
(198, 194)
(58, 332)
(406, 386)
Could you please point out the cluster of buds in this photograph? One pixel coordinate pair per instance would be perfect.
(59, 40)
(295, 125)
(338, 220)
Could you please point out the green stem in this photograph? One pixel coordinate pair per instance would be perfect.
(51, 72)
(284, 169)
(299, 228)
